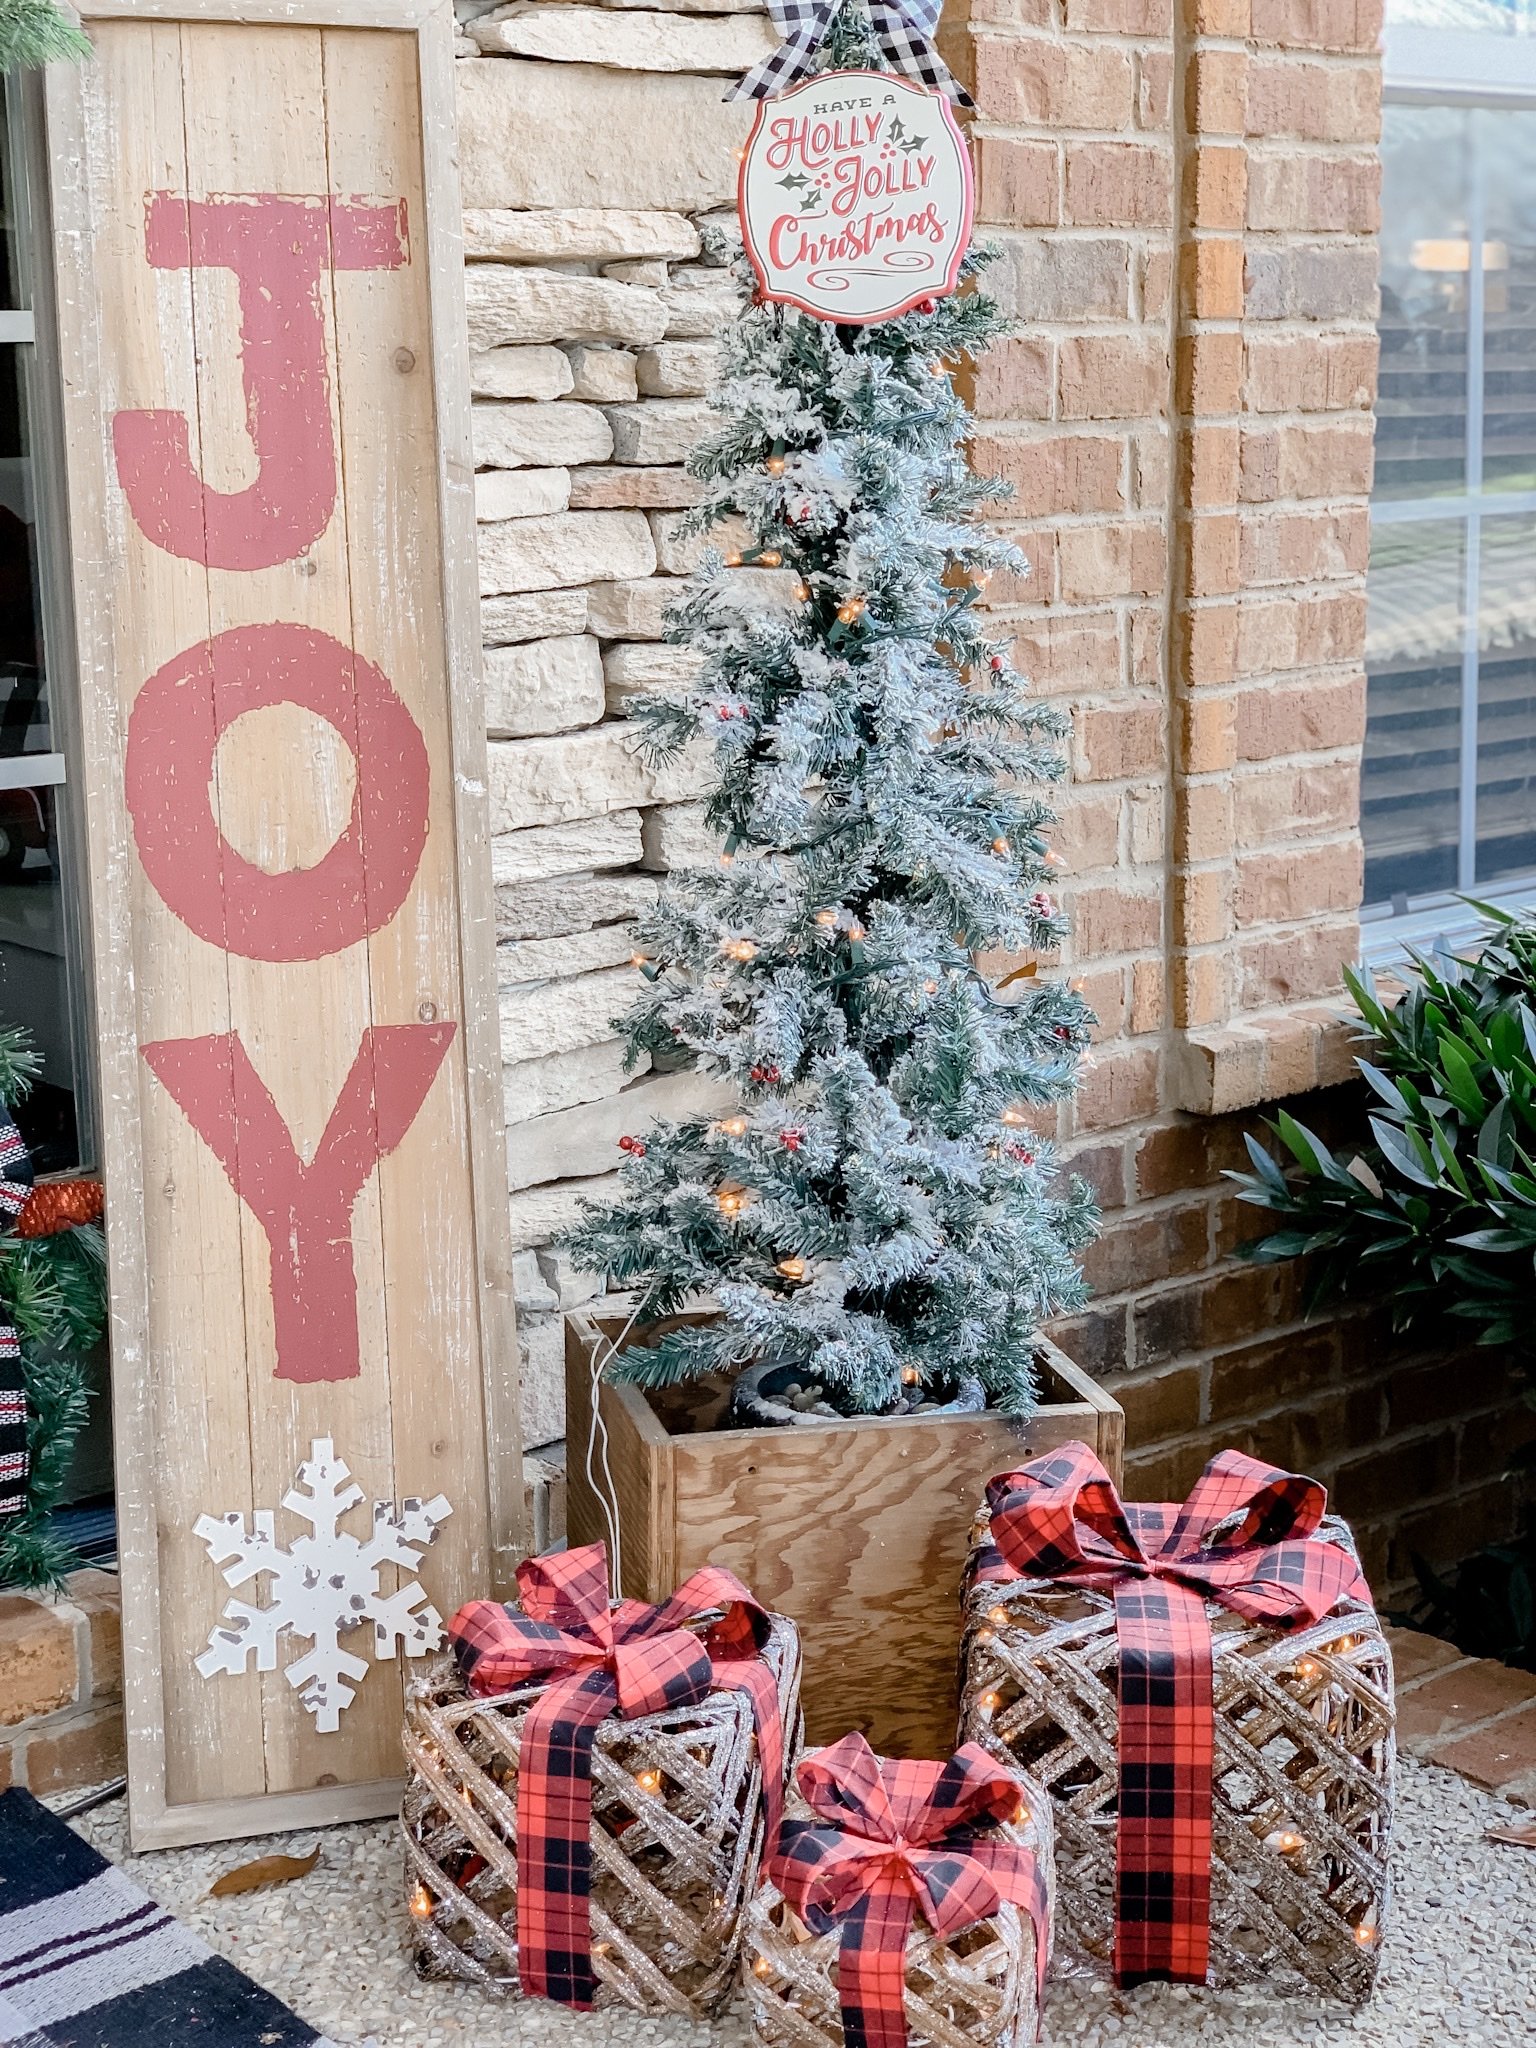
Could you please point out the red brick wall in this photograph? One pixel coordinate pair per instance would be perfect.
(1185, 197)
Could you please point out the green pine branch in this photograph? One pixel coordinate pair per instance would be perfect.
(34, 32)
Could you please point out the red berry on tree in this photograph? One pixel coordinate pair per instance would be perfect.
(792, 1140)
(634, 1146)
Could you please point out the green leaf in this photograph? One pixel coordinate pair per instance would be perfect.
(1300, 1143)
(1405, 1152)
(1461, 1082)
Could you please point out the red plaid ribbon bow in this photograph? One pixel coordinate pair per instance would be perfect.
(629, 1659)
(900, 1839)
(1244, 1538)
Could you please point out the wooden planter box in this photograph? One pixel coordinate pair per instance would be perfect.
(855, 1530)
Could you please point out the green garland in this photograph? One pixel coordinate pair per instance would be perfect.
(38, 32)
(53, 1291)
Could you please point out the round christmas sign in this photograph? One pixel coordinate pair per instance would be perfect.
(855, 196)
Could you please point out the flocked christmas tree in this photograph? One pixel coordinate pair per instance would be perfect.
(879, 1209)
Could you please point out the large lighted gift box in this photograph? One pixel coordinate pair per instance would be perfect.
(1205, 1692)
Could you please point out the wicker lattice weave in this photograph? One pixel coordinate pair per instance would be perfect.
(677, 1836)
(1304, 1773)
(976, 1991)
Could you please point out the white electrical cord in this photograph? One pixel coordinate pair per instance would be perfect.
(607, 1497)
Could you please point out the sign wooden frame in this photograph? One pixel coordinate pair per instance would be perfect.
(488, 1384)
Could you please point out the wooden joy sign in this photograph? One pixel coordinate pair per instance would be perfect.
(266, 416)
(855, 197)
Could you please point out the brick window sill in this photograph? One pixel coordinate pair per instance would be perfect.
(1264, 1058)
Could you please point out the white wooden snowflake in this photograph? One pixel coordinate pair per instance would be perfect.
(324, 1586)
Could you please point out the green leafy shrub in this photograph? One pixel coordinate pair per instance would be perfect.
(1487, 1606)
(1438, 1212)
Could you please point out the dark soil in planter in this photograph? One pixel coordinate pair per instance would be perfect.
(774, 1396)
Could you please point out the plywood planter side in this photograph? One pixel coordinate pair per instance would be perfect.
(856, 1530)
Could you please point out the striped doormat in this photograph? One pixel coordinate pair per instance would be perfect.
(88, 1960)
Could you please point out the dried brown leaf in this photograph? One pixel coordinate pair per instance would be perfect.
(1521, 1832)
(265, 1870)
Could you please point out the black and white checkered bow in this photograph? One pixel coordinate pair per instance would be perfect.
(903, 28)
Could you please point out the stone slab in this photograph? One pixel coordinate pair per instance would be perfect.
(529, 434)
(574, 903)
(632, 611)
(537, 135)
(582, 774)
(565, 549)
(533, 1025)
(679, 369)
(520, 493)
(541, 1378)
(534, 370)
(679, 554)
(544, 852)
(590, 234)
(537, 1087)
(629, 39)
(602, 375)
(543, 686)
(676, 836)
(511, 305)
(647, 668)
(659, 429)
(618, 484)
(537, 1215)
(584, 1141)
(699, 301)
(553, 959)
(532, 616)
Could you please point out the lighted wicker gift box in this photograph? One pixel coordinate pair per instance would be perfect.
(975, 1986)
(677, 1832)
(1301, 1745)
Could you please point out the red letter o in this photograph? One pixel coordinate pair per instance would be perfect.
(176, 723)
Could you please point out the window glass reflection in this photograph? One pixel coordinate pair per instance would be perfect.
(1410, 775)
(1421, 411)
(1506, 700)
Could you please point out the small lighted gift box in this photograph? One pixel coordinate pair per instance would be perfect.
(626, 1882)
(1205, 1692)
(906, 1901)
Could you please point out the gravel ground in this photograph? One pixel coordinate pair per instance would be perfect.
(1458, 1965)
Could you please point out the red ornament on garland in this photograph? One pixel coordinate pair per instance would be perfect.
(769, 1074)
(792, 1140)
(634, 1146)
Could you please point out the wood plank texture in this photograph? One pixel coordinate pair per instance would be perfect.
(857, 1531)
(199, 103)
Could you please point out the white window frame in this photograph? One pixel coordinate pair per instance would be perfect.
(32, 331)
(1453, 67)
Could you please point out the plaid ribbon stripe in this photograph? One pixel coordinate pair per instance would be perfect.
(893, 1840)
(15, 1459)
(1245, 1537)
(601, 1658)
(903, 29)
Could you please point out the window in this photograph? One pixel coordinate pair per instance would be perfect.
(1448, 795)
(41, 986)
